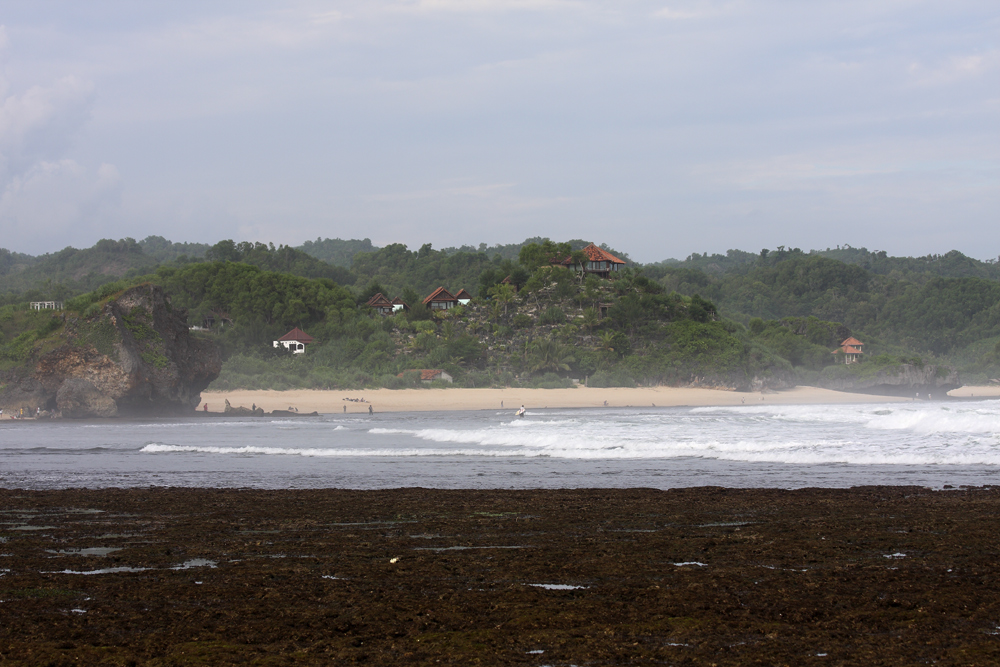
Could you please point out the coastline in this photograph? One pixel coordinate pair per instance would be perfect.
(330, 401)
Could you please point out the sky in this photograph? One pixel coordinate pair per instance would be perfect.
(659, 128)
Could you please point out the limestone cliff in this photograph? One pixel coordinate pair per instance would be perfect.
(905, 380)
(132, 355)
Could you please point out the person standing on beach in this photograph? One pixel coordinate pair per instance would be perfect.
(371, 411)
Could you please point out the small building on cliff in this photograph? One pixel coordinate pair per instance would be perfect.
(599, 262)
(295, 340)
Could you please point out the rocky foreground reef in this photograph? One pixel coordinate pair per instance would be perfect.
(132, 356)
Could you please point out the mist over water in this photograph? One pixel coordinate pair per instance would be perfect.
(922, 443)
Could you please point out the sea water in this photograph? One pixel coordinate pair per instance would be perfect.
(928, 443)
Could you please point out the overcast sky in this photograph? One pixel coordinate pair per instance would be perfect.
(660, 128)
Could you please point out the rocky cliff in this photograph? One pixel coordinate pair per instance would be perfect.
(133, 355)
(905, 380)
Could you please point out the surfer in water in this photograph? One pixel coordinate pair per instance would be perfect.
(520, 413)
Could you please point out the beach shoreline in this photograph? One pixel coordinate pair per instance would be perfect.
(331, 401)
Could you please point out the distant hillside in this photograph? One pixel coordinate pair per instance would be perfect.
(337, 251)
(70, 271)
(163, 250)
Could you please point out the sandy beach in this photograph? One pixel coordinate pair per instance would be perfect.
(412, 400)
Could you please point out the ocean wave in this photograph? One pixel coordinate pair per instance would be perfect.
(750, 451)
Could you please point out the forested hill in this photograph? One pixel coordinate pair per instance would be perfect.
(952, 264)
(773, 317)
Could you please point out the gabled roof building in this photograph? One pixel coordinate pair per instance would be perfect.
(599, 262)
(295, 340)
(441, 299)
(381, 304)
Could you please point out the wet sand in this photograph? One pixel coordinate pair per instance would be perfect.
(409, 400)
(867, 576)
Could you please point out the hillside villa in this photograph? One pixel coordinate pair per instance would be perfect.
(599, 262)
(295, 340)
(850, 350)
(428, 375)
(441, 299)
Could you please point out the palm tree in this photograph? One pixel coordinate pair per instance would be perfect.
(548, 355)
(503, 293)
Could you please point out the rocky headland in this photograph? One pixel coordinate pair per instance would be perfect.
(905, 380)
(130, 355)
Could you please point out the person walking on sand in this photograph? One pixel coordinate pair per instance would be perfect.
(345, 409)
(371, 410)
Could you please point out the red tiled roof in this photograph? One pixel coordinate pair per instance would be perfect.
(847, 349)
(399, 302)
(595, 254)
(440, 294)
(425, 373)
(299, 335)
(462, 294)
(378, 300)
(852, 341)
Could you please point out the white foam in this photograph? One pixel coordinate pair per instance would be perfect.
(557, 587)
(106, 570)
(691, 562)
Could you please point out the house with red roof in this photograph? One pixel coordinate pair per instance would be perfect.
(849, 351)
(441, 299)
(295, 340)
(463, 297)
(428, 375)
(398, 304)
(599, 262)
(380, 304)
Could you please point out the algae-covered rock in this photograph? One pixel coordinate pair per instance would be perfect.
(78, 399)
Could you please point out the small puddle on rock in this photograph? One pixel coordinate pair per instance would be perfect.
(460, 548)
(90, 551)
(106, 570)
(195, 562)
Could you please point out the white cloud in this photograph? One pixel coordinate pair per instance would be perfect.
(44, 194)
(956, 68)
(58, 200)
(40, 123)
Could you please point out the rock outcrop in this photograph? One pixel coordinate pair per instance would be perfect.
(135, 356)
(79, 398)
(905, 380)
